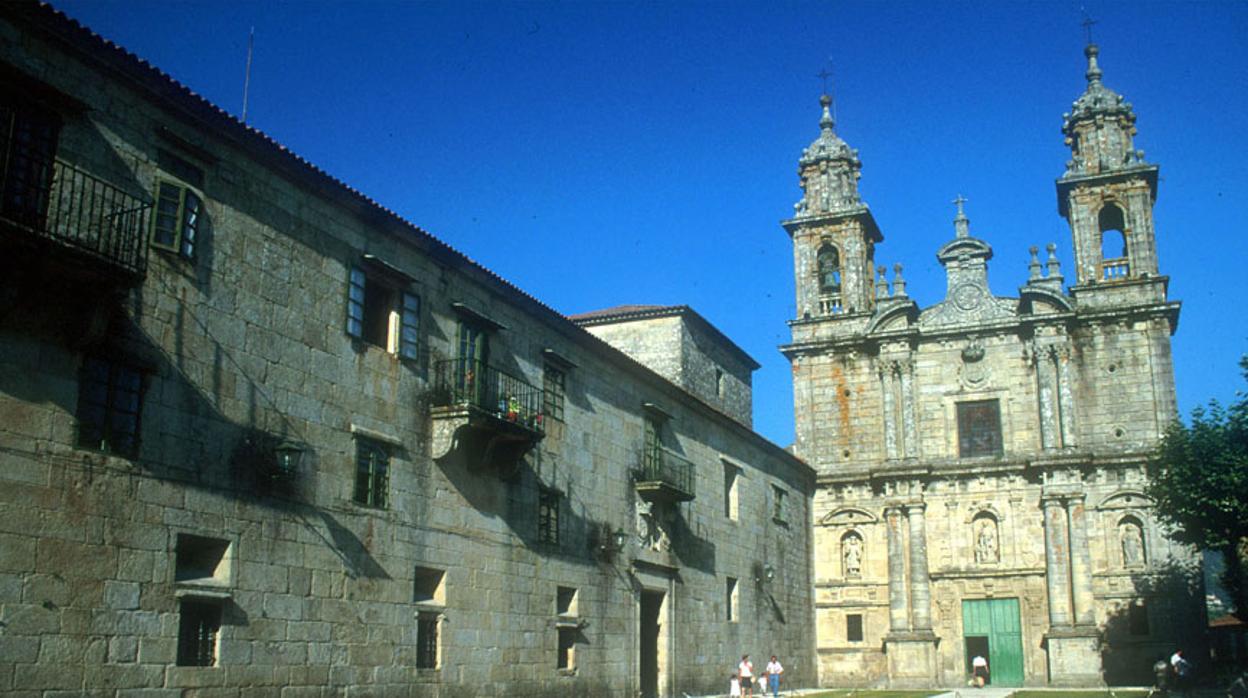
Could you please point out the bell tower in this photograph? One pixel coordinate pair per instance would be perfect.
(1107, 195)
(833, 232)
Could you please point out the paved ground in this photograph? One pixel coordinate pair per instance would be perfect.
(986, 692)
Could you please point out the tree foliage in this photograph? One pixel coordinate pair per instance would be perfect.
(1199, 482)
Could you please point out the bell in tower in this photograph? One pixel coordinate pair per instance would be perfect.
(833, 232)
(1107, 192)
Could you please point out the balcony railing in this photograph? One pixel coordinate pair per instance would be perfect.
(830, 305)
(1115, 269)
(78, 210)
(665, 475)
(486, 389)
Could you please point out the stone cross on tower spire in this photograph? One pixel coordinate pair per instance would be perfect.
(961, 224)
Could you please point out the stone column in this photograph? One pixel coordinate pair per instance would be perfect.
(920, 586)
(1080, 563)
(887, 383)
(909, 422)
(1055, 556)
(897, 612)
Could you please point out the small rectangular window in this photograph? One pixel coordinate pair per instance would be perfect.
(176, 220)
(199, 623)
(202, 560)
(548, 515)
(979, 428)
(372, 473)
(110, 398)
(553, 392)
(427, 640)
(853, 627)
(429, 586)
(565, 601)
(567, 649)
(732, 476)
(732, 599)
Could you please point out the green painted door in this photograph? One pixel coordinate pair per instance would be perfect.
(998, 620)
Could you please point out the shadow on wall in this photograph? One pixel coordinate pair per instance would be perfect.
(1167, 614)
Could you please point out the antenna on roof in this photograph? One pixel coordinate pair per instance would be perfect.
(251, 43)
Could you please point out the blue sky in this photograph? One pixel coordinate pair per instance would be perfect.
(597, 154)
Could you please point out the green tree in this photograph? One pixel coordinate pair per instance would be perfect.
(1199, 482)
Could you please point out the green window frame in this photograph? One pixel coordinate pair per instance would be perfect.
(554, 381)
(382, 315)
(372, 473)
(176, 220)
(110, 403)
(548, 502)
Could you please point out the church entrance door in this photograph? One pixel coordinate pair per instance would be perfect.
(996, 623)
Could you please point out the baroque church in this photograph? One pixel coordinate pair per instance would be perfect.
(981, 462)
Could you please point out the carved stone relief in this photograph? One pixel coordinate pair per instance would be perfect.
(851, 554)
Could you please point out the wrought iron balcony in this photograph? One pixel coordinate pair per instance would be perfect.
(75, 215)
(492, 416)
(665, 476)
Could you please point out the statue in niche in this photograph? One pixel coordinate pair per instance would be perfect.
(851, 547)
(986, 549)
(1132, 544)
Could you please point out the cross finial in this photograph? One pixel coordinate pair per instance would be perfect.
(958, 202)
(824, 75)
(961, 224)
(1087, 23)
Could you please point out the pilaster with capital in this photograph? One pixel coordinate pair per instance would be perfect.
(1055, 557)
(1080, 562)
(897, 610)
(920, 585)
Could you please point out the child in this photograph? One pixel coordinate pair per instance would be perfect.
(734, 686)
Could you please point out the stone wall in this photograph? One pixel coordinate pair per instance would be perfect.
(102, 557)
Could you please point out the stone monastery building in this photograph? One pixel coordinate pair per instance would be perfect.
(981, 462)
(260, 436)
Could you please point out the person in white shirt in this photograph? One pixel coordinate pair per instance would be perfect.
(774, 670)
(979, 669)
(745, 672)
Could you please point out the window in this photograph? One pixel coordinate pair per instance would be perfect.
(853, 627)
(428, 586)
(979, 428)
(199, 623)
(548, 515)
(381, 314)
(567, 649)
(652, 457)
(732, 476)
(1114, 257)
(719, 382)
(175, 223)
(567, 627)
(732, 600)
(829, 264)
(202, 560)
(553, 392)
(27, 150)
(110, 397)
(372, 473)
(777, 503)
(427, 640)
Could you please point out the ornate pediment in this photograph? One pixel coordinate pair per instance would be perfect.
(848, 516)
(1125, 499)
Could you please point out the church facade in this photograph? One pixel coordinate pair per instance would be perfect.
(981, 462)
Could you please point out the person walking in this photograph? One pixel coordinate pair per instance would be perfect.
(745, 672)
(774, 670)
